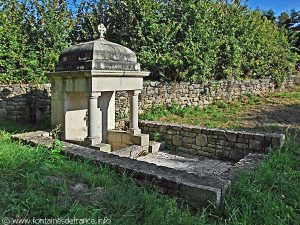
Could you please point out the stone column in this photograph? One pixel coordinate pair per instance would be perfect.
(93, 129)
(107, 105)
(134, 112)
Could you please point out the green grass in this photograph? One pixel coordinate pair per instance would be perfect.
(270, 195)
(25, 190)
(215, 115)
(230, 115)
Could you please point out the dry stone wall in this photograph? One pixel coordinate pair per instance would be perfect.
(211, 142)
(33, 102)
(187, 94)
(25, 101)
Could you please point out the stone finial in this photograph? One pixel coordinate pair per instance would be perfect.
(102, 30)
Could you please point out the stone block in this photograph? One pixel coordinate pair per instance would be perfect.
(115, 136)
(209, 150)
(211, 141)
(177, 127)
(187, 150)
(236, 154)
(255, 145)
(259, 137)
(156, 146)
(242, 140)
(189, 140)
(206, 131)
(140, 139)
(278, 141)
(186, 145)
(219, 132)
(241, 145)
(185, 133)
(248, 135)
(197, 130)
(171, 131)
(196, 147)
(177, 140)
(231, 136)
(201, 140)
(163, 128)
(203, 153)
(222, 142)
(222, 154)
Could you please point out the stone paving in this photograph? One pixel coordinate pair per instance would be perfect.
(197, 165)
(199, 181)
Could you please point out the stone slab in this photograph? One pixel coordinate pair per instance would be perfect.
(198, 181)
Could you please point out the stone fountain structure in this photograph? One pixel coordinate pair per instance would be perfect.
(84, 84)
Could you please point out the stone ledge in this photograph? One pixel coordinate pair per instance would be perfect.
(196, 190)
(219, 143)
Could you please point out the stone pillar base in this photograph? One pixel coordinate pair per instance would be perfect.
(134, 131)
(91, 141)
(121, 139)
(102, 147)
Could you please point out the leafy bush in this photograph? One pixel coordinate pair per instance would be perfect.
(16, 57)
(197, 40)
(188, 40)
(32, 34)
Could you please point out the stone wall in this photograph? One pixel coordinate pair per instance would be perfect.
(186, 94)
(25, 102)
(217, 143)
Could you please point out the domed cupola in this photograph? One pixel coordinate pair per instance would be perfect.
(98, 55)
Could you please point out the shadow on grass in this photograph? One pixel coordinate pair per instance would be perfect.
(12, 126)
(284, 114)
(283, 119)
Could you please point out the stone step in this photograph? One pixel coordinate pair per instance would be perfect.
(133, 152)
(199, 186)
(102, 147)
(156, 146)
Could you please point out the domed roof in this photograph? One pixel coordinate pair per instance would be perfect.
(98, 55)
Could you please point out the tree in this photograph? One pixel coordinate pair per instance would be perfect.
(18, 62)
(291, 23)
(188, 40)
(32, 34)
(270, 15)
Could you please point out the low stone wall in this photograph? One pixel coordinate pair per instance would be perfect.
(33, 102)
(187, 94)
(211, 142)
(25, 101)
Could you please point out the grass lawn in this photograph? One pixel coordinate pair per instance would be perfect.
(35, 183)
(277, 111)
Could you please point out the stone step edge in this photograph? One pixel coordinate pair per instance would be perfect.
(197, 191)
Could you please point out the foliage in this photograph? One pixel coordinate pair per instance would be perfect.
(17, 59)
(199, 40)
(57, 144)
(270, 15)
(176, 40)
(158, 112)
(291, 23)
(270, 195)
(32, 34)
